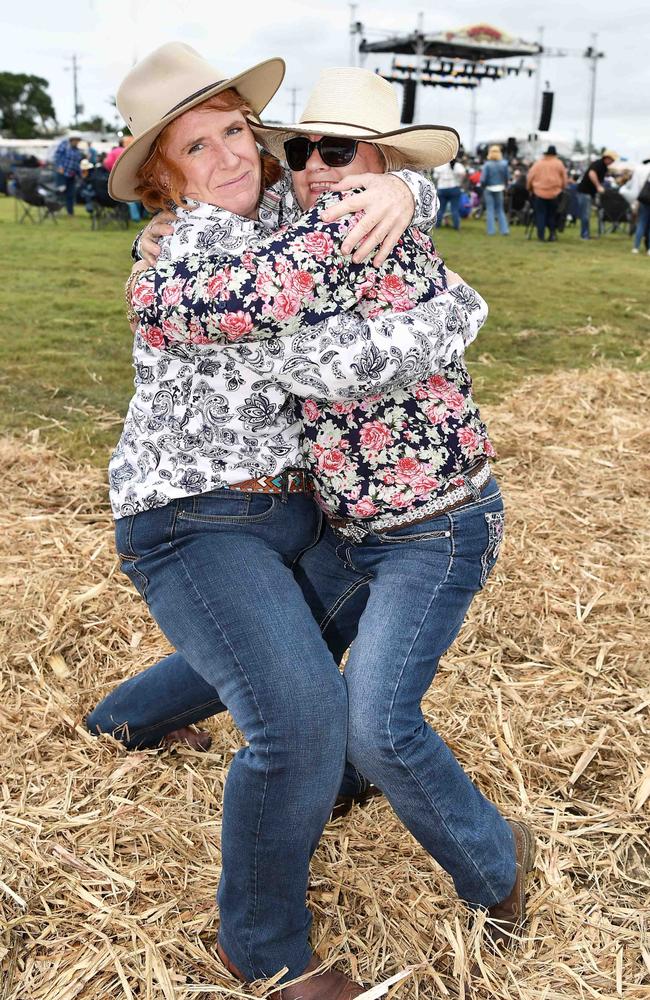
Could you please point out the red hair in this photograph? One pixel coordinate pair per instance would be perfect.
(161, 180)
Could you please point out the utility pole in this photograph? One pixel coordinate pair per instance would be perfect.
(294, 102)
(473, 120)
(78, 108)
(537, 92)
(354, 31)
(593, 55)
(419, 52)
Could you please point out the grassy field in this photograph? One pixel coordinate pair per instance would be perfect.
(65, 345)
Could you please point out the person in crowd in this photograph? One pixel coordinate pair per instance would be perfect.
(67, 160)
(449, 179)
(546, 180)
(590, 186)
(494, 181)
(234, 539)
(637, 191)
(111, 158)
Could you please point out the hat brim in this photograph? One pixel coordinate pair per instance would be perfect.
(423, 146)
(256, 85)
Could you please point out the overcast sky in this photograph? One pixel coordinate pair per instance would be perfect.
(40, 36)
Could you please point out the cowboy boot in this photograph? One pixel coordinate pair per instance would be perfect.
(344, 803)
(509, 916)
(187, 736)
(328, 985)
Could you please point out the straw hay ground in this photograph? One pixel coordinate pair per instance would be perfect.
(110, 860)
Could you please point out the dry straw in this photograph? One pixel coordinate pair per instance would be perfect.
(109, 860)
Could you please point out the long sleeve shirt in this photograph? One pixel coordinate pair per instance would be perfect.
(67, 158)
(206, 416)
(547, 177)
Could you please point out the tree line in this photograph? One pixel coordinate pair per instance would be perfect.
(27, 112)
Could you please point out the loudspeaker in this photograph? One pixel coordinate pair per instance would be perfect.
(511, 148)
(547, 111)
(408, 102)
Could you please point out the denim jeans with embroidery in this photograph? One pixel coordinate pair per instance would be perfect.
(216, 573)
(421, 581)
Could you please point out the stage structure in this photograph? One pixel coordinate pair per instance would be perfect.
(460, 59)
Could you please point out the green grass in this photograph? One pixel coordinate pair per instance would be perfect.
(65, 346)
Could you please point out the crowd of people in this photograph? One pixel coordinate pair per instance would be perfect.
(545, 194)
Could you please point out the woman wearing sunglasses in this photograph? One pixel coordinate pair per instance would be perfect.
(211, 513)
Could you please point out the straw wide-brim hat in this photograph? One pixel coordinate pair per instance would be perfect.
(168, 82)
(354, 102)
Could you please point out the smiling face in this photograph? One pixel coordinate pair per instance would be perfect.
(217, 154)
(318, 177)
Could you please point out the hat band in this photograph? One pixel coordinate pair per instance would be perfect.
(197, 93)
(363, 128)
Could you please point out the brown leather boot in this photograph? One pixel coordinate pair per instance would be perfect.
(344, 803)
(509, 916)
(188, 736)
(329, 985)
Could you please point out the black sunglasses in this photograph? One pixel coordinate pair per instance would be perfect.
(335, 151)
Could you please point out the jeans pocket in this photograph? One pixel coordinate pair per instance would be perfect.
(129, 567)
(495, 524)
(227, 507)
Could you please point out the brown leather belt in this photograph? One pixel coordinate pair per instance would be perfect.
(287, 481)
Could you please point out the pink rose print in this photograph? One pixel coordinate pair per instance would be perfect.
(438, 384)
(319, 245)
(436, 413)
(403, 304)
(364, 508)
(343, 407)
(172, 293)
(468, 438)
(406, 469)
(455, 400)
(174, 329)
(216, 286)
(302, 282)
(331, 461)
(375, 435)
(392, 288)
(422, 485)
(142, 293)
(310, 410)
(285, 305)
(265, 284)
(235, 325)
(488, 448)
(153, 336)
(399, 500)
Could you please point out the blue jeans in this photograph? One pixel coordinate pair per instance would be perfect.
(400, 598)
(451, 197)
(545, 215)
(421, 582)
(584, 213)
(642, 226)
(216, 573)
(494, 207)
(70, 191)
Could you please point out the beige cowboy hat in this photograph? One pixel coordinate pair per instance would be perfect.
(168, 82)
(349, 101)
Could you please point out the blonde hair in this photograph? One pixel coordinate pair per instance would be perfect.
(494, 153)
